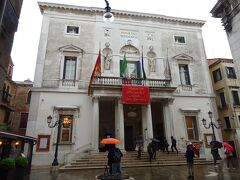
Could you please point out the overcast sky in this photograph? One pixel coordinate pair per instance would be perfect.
(25, 47)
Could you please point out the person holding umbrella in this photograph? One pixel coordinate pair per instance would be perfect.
(214, 151)
(228, 151)
(114, 155)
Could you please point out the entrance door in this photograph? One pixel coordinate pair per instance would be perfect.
(132, 125)
(157, 120)
(129, 139)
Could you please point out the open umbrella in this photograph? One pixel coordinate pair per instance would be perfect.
(228, 146)
(110, 141)
(216, 144)
(155, 140)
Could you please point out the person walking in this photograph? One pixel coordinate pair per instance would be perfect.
(114, 160)
(150, 151)
(165, 145)
(174, 144)
(139, 150)
(215, 153)
(190, 160)
(228, 151)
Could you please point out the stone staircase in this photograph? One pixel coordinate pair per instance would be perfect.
(129, 159)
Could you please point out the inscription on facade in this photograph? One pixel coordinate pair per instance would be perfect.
(129, 35)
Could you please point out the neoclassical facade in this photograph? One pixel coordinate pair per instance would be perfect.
(168, 102)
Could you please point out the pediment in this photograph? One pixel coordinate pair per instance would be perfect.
(183, 56)
(71, 48)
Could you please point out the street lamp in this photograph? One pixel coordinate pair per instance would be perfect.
(211, 124)
(108, 16)
(52, 125)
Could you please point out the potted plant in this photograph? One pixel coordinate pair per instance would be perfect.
(7, 166)
(21, 163)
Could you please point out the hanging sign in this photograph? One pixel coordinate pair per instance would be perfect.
(135, 95)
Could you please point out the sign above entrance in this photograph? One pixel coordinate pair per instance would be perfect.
(135, 95)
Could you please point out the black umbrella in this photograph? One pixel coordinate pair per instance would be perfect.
(216, 144)
(155, 140)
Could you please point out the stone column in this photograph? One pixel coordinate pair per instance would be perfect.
(168, 120)
(120, 124)
(147, 125)
(95, 130)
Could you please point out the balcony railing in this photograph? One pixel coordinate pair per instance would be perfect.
(118, 81)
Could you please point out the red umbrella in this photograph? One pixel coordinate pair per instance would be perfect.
(110, 141)
(228, 146)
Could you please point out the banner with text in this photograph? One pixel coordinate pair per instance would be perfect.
(135, 95)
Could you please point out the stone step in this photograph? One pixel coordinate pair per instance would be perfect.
(145, 163)
(99, 161)
(64, 168)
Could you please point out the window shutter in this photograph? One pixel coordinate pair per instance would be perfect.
(121, 62)
(64, 68)
(138, 69)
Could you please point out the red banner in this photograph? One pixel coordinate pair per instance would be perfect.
(135, 95)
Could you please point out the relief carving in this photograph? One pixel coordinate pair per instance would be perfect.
(129, 49)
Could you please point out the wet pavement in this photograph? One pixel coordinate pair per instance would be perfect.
(201, 172)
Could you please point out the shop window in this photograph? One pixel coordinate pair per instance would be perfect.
(66, 130)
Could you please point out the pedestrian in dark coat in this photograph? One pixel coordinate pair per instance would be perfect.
(190, 160)
(215, 153)
(174, 144)
(114, 160)
(150, 150)
(165, 144)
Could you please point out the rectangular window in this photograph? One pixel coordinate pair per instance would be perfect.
(222, 99)
(230, 73)
(217, 76)
(184, 74)
(73, 30)
(191, 125)
(227, 122)
(23, 120)
(179, 39)
(70, 65)
(235, 97)
(66, 130)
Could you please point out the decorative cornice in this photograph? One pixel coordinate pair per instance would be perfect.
(118, 13)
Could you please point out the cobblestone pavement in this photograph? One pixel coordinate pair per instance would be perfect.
(201, 172)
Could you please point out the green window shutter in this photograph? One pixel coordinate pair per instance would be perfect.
(121, 62)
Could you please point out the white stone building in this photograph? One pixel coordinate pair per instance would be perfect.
(70, 39)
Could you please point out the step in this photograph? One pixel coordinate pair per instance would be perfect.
(99, 161)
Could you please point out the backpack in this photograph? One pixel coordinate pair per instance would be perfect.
(116, 156)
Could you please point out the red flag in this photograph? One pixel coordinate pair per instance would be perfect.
(96, 71)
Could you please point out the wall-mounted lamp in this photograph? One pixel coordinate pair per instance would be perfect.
(108, 16)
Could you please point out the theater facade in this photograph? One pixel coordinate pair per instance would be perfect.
(164, 91)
